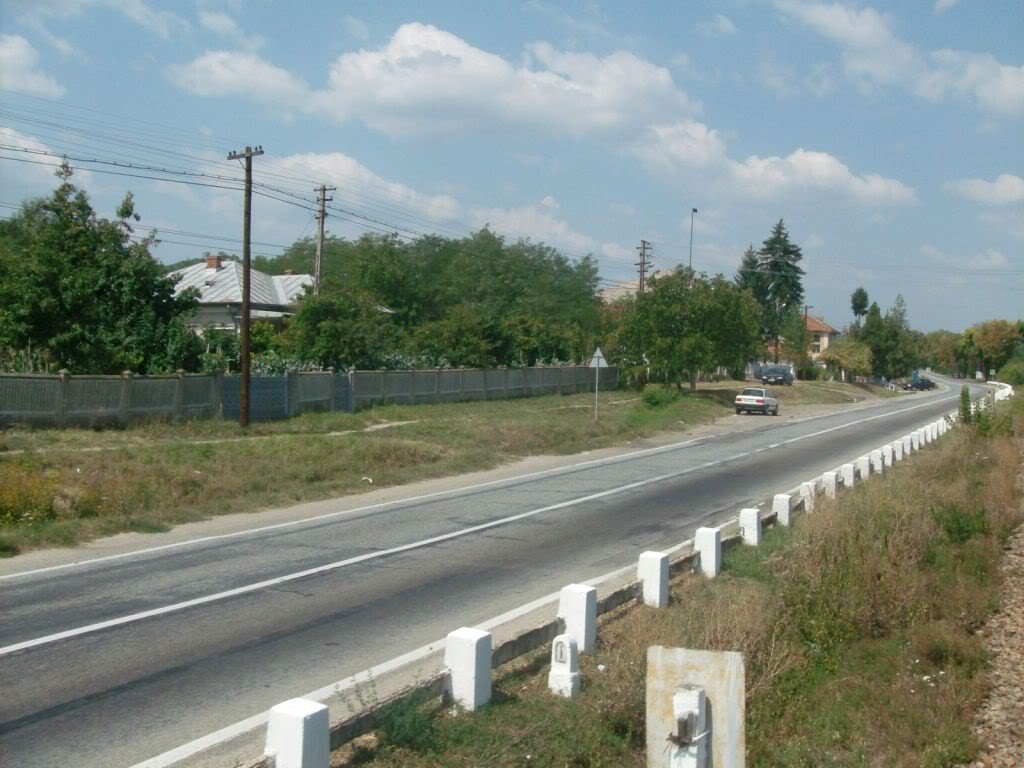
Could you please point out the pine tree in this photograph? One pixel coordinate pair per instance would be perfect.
(780, 264)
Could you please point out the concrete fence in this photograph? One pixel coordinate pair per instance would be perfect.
(62, 399)
(459, 668)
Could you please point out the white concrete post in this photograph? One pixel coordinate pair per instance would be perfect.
(577, 607)
(877, 464)
(887, 455)
(846, 474)
(750, 526)
(908, 444)
(864, 467)
(467, 655)
(298, 734)
(809, 493)
(781, 506)
(897, 450)
(652, 571)
(915, 441)
(689, 709)
(708, 544)
(829, 483)
(564, 677)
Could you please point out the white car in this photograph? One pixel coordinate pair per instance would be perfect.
(757, 400)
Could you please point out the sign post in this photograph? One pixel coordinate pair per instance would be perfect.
(597, 362)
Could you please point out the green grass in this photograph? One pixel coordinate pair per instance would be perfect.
(858, 627)
(60, 487)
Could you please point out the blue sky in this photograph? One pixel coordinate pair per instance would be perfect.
(889, 137)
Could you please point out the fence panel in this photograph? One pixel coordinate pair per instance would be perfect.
(151, 397)
(29, 399)
(342, 392)
(94, 400)
(200, 397)
(310, 391)
(268, 398)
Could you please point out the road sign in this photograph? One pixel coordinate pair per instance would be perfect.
(598, 361)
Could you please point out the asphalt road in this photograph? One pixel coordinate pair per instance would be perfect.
(113, 662)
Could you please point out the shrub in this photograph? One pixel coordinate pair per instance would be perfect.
(660, 397)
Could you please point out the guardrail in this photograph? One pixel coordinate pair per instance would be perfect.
(300, 733)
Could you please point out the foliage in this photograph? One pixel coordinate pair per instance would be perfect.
(994, 342)
(83, 295)
(850, 355)
(965, 405)
(892, 344)
(780, 266)
(937, 350)
(1013, 371)
(859, 304)
(687, 323)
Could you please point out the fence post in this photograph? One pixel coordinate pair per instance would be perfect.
(126, 386)
(351, 390)
(62, 396)
(333, 397)
(217, 394)
(505, 393)
(289, 398)
(437, 385)
(179, 395)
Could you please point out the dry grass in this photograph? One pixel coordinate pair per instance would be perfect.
(60, 487)
(857, 627)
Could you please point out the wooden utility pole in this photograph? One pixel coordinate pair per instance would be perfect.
(644, 264)
(803, 340)
(247, 155)
(322, 199)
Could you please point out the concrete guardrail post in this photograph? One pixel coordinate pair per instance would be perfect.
(298, 734)
(652, 570)
(467, 655)
(750, 526)
(829, 484)
(908, 444)
(846, 474)
(887, 451)
(915, 441)
(864, 467)
(897, 450)
(809, 493)
(782, 506)
(577, 607)
(707, 542)
(877, 463)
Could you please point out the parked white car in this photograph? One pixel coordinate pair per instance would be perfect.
(757, 400)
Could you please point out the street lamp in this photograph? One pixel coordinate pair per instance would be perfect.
(692, 212)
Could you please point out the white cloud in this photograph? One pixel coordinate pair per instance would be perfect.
(874, 56)
(717, 27)
(19, 72)
(39, 179)
(163, 23)
(426, 80)
(1009, 223)
(1004, 190)
(225, 26)
(990, 258)
(941, 6)
(805, 170)
(688, 143)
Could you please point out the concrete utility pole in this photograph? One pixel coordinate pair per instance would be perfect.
(803, 343)
(247, 155)
(644, 263)
(323, 199)
(693, 213)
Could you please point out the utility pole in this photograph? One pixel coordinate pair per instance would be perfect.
(803, 340)
(644, 263)
(693, 213)
(243, 400)
(323, 199)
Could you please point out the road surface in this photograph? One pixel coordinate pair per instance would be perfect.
(111, 662)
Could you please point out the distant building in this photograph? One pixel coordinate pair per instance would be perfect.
(219, 283)
(821, 334)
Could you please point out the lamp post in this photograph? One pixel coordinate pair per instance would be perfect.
(692, 212)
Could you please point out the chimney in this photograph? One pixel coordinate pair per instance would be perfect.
(213, 262)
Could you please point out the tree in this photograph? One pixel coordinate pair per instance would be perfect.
(687, 323)
(994, 341)
(849, 355)
(79, 291)
(780, 264)
(858, 305)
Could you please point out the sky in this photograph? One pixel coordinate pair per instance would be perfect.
(888, 137)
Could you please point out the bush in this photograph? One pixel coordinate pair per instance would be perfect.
(660, 397)
(965, 405)
(1012, 372)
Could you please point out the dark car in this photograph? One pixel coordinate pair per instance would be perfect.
(776, 374)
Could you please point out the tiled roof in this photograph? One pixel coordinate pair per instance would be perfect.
(817, 325)
(224, 285)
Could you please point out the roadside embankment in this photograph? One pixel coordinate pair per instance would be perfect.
(860, 628)
(61, 487)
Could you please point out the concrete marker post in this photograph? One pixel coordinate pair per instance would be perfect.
(846, 474)
(830, 484)
(915, 441)
(467, 655)
(897, 450)
(707, 542)
(809, 493)
(908, 444)
(887, 451)
(782, 507)
(689, 705)
(577, 607)
(877, 462)
(864, 467)
(298, 734)
(652, 570)
(750, 526)
(564, 677)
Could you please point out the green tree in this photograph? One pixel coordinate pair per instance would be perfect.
(79, 291)
(859, 305)
(849, 355)
(780, 264)
(687, 323)
(994, 342)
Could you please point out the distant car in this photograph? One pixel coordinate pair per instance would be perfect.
(757, 400)
(777, 374)
(923, 384)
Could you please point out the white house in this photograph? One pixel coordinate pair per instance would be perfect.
(220, 293)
